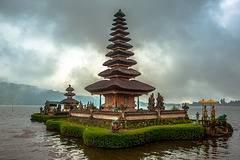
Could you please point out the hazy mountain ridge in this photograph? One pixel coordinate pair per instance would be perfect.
(22, 94)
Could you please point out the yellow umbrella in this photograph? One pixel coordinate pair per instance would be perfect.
(202, 101)
(211, 101)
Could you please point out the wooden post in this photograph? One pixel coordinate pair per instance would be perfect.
(116, 100)
(138, 103)
(100, 103)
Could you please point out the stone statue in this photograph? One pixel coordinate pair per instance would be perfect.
(151, 103)
(197, 117)
(41, 109)
(80, 105)
(160, 103)
(88, 105)
(213, 113)
(91, 106)
(115, 127)
(185, 107)
(59, 108)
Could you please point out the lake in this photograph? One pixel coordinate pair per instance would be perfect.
(22, 139)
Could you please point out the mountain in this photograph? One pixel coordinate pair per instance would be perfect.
(21, 94)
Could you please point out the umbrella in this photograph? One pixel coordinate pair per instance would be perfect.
(211, 101)
(202, 101)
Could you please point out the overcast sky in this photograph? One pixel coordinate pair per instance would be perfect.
(187, 50)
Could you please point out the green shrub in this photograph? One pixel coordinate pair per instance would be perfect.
(174, 108)
(229, 126)
(43, 118)
(54, 124)
(72, 130)
(97, 137)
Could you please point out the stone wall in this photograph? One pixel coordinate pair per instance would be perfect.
(127, 116)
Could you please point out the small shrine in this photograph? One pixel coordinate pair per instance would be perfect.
(69, 103)
(119, 88)
(55, 107)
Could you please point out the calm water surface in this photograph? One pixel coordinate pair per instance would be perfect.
(22, 139)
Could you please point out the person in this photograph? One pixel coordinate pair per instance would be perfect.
(213, 112)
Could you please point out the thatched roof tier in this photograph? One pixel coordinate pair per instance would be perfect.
(120, 32)
(119, 72)
(119, 23)
(119, 27)
(69, 101)
(118, 60)
(119, 14)
(70, 94)
(70, 88)
(119, 45)
(119, 52)
(119, 38)
(119, 85)
(119, 19)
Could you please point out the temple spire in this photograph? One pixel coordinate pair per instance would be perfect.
(119, 88)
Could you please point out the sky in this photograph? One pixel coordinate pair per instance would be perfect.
(188, 50)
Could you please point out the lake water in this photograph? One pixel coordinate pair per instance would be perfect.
(22, 139)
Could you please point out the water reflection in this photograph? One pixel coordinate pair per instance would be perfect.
(22, 139)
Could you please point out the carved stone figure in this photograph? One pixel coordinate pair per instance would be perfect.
(80, 105)
(197, 117)
(115, 127)
(41, 109)
(185, 107)
(59, 108)
(91, 106)
(151, 103)
(160, 103)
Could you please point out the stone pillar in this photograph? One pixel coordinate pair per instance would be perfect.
(100, 103)
(138, 103)
(116, 100)
(159, 113)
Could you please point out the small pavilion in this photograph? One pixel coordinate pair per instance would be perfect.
(69, 101)
(119, 88)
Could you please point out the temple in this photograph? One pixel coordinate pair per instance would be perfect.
(119, 88)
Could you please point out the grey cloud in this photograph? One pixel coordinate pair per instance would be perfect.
(204, 54)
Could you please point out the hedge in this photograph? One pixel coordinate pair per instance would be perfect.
(43, 118)
(72, 130)
(229, 126)
(97, 137)
(54, 124)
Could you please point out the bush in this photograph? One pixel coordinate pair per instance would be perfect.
(54, 124)
(229, 126)
(43, 118)
(174, 108)
(71, 130)
(97, 137)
